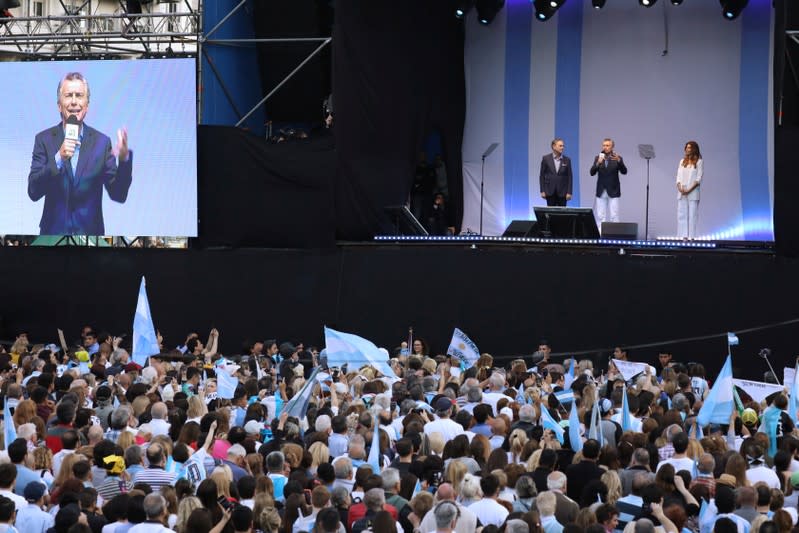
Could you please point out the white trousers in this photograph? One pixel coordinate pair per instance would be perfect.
(604, 204)
(687, 213)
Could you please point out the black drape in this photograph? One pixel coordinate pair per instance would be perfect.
(397, 75)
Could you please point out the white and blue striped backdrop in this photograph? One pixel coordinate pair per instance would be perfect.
(589, 74)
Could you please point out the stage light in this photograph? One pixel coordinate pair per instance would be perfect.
(487, 10)
(732, 8)
(544, 9)
(463, 8)
(598, 4)
(647, 3)
(676, 2)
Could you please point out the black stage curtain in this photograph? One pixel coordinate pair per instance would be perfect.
(397, 75)
(254, 194)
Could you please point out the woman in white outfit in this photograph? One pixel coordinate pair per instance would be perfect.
(689, 178)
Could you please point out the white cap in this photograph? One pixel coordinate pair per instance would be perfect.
(253, 427)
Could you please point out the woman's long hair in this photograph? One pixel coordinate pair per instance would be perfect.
(696, 155)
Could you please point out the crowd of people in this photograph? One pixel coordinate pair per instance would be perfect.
(96, 443)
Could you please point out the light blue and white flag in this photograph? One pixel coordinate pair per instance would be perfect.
(574, 429)
(719, 403)
(769, 422)
(793, 401)
(626, 418)
(354, 351)
(462, 347)
(549, 423)
(565, 397)
(595, 430)
(568, 379)
(520, 393)
(374, 450)
(145, 342)
(297, 406)
(226, 385)
(9, 431)
(732, 339)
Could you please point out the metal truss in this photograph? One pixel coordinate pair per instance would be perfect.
(100, 35)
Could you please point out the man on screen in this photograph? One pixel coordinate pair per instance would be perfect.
(71, 171)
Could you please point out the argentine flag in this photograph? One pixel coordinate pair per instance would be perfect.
(793, 401)
(9, 431)
(720, 403)
(568, 379)
(354, 351)
(626, 419)
(297, 406)
(145, 342)
(374, 449)
(549, 423)
(462, 347)
(574, 430)
(225, 384)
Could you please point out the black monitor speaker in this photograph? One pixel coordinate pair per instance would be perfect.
(620, 230)
(8, 4)
(566, 222)
(521, 228)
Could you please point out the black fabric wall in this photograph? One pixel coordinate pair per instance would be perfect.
(255, 194)
(506, 299)
(397, 75)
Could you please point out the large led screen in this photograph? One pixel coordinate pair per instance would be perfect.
(99, 148)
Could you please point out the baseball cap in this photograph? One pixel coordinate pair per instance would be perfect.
(442, 404)
(749, 417)
(34, 491)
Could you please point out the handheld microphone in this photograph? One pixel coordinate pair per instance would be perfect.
(72, 129)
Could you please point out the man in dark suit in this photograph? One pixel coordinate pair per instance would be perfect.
(581, 473)
(556, 176)
(607, 167)
(71, 173)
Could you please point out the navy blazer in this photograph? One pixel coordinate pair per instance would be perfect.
(555, 183)
(608, 179)
(75, 206)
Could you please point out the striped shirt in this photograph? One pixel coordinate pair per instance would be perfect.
(156, 477)
(113, 486)
(630, 509)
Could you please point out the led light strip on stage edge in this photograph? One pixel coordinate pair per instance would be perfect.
(537, 240)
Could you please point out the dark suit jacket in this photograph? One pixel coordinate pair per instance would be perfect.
(556, 183)
(578, 475)
(75, 206)
(608, 179)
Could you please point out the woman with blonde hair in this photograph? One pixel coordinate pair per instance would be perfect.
(186, 506)
(43, 463)
(293, 454)
(169, 494)
(255, 462)
(126, 439)
(455, 472)
(24, 412)
(65, 470)
(223, 477)
(517, 441)
(613, 483)
(320, 453)
(197, 409)
(436, 441)
(736, 466)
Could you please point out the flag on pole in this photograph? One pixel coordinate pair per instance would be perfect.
(145, 342)
(9, 431)
(374, 450)
(565, 397)
(348, 349)
(226, 385)
(549, 423)
(770, 420)
(793, 401)
(732, 339)
(297, 406)
(595, 430)
(720, 402)
(568, 379)
(626, 418)
(574, 429)
(462, 347)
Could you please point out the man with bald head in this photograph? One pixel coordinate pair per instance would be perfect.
(467, 523)
(159, 425)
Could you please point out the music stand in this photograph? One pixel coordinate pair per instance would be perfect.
(646, 151)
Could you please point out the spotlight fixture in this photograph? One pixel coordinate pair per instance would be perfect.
(676, 2)
(647, 3)
(487, 10)
(732, 8)
(464, 6)
(544, 9)
(598, 4)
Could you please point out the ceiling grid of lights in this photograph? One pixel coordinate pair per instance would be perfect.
(546, 9)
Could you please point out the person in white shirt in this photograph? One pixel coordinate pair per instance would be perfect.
(689, 178)
(488, 510)
(155, 509)
(8, 478)
(158, 424)
(449, 429)
(496, 386)
(31, 518)
(467, 521)
(758, 471)
(680, 461)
